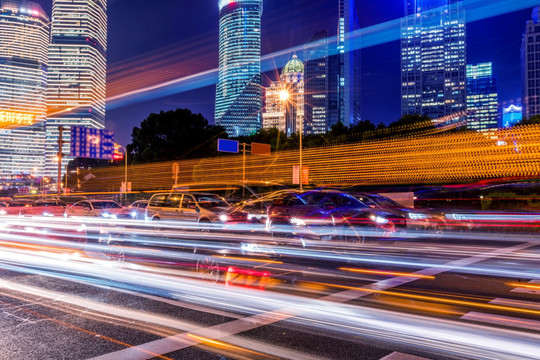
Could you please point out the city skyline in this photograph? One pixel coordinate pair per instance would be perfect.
(380, 68)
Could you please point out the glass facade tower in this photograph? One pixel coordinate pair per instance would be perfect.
(316, 84)
(24, 38)
(433, 59)
(77, 71)
(482, 98)
(530, 66)
(239, 89)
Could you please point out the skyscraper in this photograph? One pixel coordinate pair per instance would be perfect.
(530, 66)
(77, 70)
(482, 98)
(24, 38)
(345, 68)
(433, 58)
(286, 114)
(239, 88)
(316, 84)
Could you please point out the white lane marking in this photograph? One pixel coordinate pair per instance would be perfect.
(182, 341)
(400, 356)
(516, 303)
(528, 291)
(503, 320)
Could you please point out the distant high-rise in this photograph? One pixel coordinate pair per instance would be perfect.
(239, 88)
(482, 98)
(77, 70)
(316, 84)
(24, 39)
(433, 59)
(530, 66)
(345, 68)
(286, 114)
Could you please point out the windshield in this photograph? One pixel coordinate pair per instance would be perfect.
(385, 202)
(209, 201)
(105, 205)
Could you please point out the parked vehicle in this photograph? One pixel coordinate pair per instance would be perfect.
(201, 208)
(291, 216)
(136, 210)
(104, 208)
(234, 193)
(356, 220)
(44, 207)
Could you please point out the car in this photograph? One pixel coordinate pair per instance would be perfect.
(136, 210)
(356, 220)
(196, 207)
(291, 216)
(44, 207)
(103, 208)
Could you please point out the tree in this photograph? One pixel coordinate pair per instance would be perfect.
(172, 135)
(533, 120)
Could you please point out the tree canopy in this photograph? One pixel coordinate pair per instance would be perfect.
(174, 134)
(533, 120)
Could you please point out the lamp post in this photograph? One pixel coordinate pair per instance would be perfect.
(125, 170)
(284, 96)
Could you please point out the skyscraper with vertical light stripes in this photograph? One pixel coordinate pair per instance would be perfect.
(239, 89)
(24, 38)
(77, 71)
(433, 59)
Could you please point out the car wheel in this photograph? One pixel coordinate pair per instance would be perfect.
(156, 224)
(352, 234)
(204, 227)
(208, 269)
(115, 253)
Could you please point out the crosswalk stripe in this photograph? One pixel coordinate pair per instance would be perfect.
(502, 320)
(516, 303)
(401, 356)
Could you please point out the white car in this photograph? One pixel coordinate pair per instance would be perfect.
(104, 208)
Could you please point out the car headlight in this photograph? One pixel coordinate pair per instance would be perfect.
(298, 222)
(417, 216)
(223, 218)
(456, 217)
(379, 219)
(133, 214)
(3, 212)
(45, 213)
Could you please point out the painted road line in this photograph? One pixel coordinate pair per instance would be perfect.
(182, 341)
(528, 291)
(516, 303)
(400, 356)
(503, 320)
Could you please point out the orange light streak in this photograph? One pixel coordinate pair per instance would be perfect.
(250, 259)
(392, 273)
(526, 286)
(227, 346)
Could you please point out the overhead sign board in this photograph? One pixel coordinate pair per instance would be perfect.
(92, 143)
(230, 146)
(14, 119)
(261, 149)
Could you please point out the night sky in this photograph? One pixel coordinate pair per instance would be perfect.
(139, 27)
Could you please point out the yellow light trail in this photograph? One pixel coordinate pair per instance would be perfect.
(227, 346)
(391, 273)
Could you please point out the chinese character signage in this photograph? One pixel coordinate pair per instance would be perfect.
(10, 118)
(92, 143)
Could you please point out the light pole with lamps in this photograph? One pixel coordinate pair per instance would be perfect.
(125, 170)
(284, 96)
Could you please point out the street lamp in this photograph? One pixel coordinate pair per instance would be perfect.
(285, 97)
(125, 170)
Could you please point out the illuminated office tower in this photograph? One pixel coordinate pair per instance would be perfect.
(24, 38)
(286, 114)
(482, 98)
(345, 68)
(433, 59)
(239, 88)
(77, 71)
(316, 84)
(530, 66)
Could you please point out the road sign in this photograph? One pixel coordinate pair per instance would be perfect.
(92, 143)
(296, 175)
(230, 146)
(261, 149)
(123, 187)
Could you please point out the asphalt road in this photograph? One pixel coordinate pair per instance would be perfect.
(467, 297)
